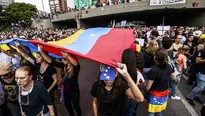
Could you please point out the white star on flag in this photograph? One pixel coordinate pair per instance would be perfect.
(92, 34)
(108, 67)
(107, 77)
(106, 70)
(105, 74)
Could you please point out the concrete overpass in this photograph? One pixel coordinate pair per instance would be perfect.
(140, 10)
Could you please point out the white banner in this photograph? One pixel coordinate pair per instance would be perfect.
(166, 2)
(70, 3)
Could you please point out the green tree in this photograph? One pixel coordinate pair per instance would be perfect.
(16, 12)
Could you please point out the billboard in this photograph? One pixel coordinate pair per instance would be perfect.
(166, 2)
(71, 3)
(83, 3)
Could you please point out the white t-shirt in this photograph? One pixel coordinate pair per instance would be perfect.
(15, 61)
(140, 78)
(5, 58)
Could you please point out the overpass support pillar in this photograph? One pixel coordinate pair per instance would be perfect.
(81, 24)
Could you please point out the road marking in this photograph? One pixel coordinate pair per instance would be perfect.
(184, 101)
(187, 105)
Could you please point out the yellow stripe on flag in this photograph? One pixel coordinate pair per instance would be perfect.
(68, 40)
(156, 108)
(4, 47)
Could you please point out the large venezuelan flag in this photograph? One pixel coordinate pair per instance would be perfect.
(104, 45)
(157, 101)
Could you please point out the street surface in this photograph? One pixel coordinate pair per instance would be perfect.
(89, 73)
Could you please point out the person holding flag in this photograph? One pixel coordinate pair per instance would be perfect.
(70, 71)
(110, 92)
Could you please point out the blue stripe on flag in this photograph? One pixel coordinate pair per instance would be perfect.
(87, 40)
(31, 46)
(156, 100)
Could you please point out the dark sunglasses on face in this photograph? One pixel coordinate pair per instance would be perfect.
(7, 74)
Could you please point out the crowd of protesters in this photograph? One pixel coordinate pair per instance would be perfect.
(149, 71)
(34, 33)
(98, 4)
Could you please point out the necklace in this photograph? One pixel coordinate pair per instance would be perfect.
(43, 68)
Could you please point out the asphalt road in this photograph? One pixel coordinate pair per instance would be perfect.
(89, 74)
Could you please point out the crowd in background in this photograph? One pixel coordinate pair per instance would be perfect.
(148, 73)
(40, 34)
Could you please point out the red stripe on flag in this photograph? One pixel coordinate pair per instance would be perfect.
(159, 94)
(109, 47)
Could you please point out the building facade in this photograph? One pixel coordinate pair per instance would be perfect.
(58, 6)
(5, 3)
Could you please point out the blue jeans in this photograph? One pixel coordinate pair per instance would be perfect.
(173, 84)
(196, 91)
(154, 114)
(131, 109)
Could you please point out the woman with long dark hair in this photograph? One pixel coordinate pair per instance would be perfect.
(70, 70)
(110, 92)
(158, 83)
(128, 58)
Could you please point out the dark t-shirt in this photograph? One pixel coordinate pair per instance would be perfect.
(46, 77)
(191, 51)
(160, 77)
(10, 91)
(148, 60)
(107, 104)
(200, 66)
(70, 84)
(38, 98)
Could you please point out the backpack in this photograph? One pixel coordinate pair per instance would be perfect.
(174, 64)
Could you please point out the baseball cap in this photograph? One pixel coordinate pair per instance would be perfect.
(107, 72)
(5, 68)
(202, 36)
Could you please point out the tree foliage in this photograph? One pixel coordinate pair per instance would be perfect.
(20, 12)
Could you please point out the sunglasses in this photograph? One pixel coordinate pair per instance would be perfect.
(7, 74)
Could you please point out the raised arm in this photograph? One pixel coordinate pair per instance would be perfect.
(44, 55)
(133, 92)
(70, 58)
(25, 55)
(13, 51)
